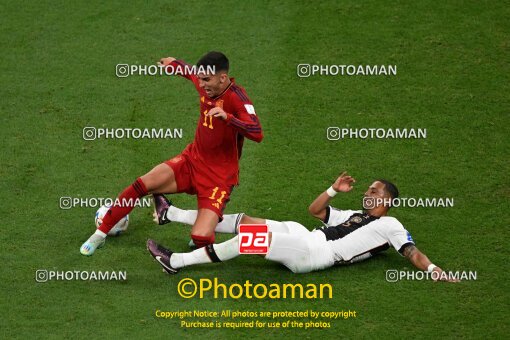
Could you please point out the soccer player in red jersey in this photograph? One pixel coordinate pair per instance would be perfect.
(208, 167)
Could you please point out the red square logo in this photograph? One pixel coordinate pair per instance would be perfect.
(253, 239)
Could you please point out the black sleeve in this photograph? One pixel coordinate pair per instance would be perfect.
(326, 218)
(404, 246)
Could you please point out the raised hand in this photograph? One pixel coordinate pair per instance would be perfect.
(343, 183)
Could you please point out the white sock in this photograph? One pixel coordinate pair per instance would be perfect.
(182, 216)
(227, 226)
(225, 251)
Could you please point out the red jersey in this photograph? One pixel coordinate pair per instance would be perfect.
(218, 143)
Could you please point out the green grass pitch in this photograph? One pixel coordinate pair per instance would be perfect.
(57, 75)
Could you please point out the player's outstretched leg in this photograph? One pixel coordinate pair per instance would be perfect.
(291, 250)
(231, 222)
(171, 262)
(160, 179)
(135, 191)
(166, 212)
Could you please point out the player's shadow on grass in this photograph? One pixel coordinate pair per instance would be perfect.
(257, 267)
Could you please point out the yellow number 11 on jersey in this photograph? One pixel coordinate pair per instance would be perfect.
(205, 120)
(213, 196)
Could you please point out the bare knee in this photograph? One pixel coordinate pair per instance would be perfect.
(202, 232)
(205, 224)
(252, 220)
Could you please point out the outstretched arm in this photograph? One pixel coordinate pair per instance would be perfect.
(342, 184)
(421, 261)
(172, 64)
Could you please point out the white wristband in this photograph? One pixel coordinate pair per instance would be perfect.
(431, 267)
(331, 192)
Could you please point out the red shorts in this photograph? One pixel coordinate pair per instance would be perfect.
(212, 193)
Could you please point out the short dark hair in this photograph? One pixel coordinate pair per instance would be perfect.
(214, 59)
(390, 188)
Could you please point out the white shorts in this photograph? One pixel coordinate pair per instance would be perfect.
(301, 250)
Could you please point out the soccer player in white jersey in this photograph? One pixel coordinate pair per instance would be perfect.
(348, 236)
